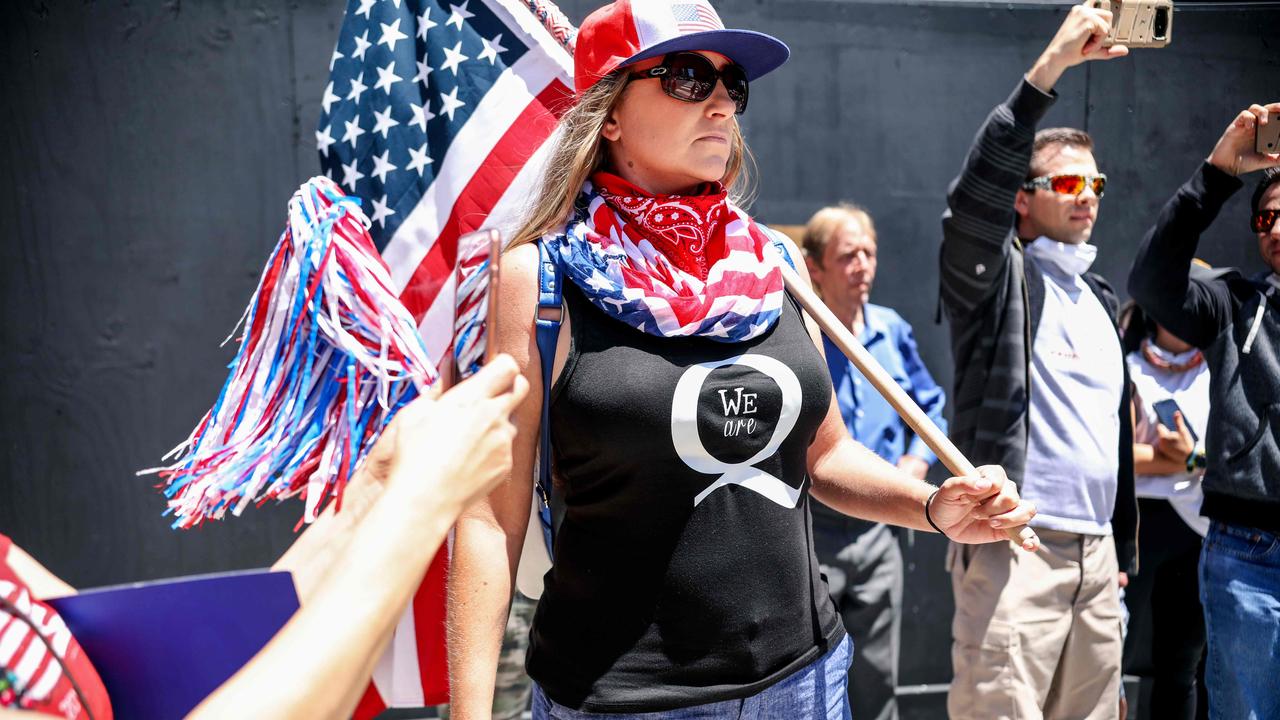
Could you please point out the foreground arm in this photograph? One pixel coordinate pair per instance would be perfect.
(42, 583)
(490, 535)
(437, 458)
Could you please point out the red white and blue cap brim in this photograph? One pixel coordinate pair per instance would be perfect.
(757, 53)
(628, 31)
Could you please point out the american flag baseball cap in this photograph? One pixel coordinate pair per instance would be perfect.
(628, 31)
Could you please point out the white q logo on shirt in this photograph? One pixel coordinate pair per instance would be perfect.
(688, 445)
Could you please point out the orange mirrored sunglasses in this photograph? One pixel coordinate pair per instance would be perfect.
(1068, 184)
(1264, 220)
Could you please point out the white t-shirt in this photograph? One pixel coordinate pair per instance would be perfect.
(1190, 389)
(1077, 379)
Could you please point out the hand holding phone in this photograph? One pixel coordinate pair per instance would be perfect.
(1166, 410)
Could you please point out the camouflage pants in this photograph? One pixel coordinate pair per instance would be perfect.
(513, 688)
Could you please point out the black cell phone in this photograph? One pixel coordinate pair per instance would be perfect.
(1165, 410)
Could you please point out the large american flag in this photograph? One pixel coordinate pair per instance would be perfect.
(437, 115)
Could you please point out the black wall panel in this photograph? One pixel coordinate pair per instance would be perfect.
(149, 148)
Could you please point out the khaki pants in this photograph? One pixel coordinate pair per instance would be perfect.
(1036, 635)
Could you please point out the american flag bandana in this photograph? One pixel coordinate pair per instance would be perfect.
(617, 265)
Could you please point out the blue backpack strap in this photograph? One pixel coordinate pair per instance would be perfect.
(550, 303)
(780, 243)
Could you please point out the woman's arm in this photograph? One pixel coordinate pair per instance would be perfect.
(490, 534)
(435, 459)
(852, 479)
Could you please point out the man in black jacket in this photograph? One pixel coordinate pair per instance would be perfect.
(1040, 388)
(1236, 322)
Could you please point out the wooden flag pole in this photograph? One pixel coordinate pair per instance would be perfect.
(924, 428)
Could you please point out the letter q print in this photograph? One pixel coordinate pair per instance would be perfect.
(688, 444)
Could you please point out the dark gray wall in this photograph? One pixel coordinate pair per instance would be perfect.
(149, 149)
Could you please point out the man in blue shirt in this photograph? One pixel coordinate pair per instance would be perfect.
(861, 559)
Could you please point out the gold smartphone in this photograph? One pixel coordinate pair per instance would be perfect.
(1138, 23)
(495, 288)
(478, 280)
(1267, 139)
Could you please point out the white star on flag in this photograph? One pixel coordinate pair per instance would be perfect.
(391, 35)
(718, 330)
(336, 57)
(324, 140)
(357, 87)
(449, 102)
(425, 23)
(424, 71)
(351, 175)
(329, 98)
(382, 166)
(353, 132)
(459, 14)
(382, 121)
(365, 7)
(386, 78)
(598, 281)
(453, 58)
(381, 212)
(420, 115)
(418, 160)
(491, 49)
(362, 44)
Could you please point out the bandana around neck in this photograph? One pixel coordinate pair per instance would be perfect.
(1065, 258)
(672, 265)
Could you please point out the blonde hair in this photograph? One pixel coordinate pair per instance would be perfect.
(827, 222)
(580, 150)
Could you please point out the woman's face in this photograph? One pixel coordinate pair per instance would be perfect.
(665, 145)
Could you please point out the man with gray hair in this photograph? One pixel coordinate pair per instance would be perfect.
(861, 559)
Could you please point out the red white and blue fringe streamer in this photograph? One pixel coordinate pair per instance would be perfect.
(328, 355)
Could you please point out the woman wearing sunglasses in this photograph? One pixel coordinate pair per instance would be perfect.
(690, 413)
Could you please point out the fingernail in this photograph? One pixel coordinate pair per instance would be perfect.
(995, 523)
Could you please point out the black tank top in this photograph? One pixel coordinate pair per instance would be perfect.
(684, 566)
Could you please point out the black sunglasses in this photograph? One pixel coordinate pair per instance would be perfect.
(1264, 220)
(691, 77)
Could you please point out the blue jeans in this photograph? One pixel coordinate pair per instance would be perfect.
(1240, 592)
(814, 692)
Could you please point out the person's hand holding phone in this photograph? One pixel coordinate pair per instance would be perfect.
(454, 448)
(1236, 152)
(1080, 38)
(1175, 444)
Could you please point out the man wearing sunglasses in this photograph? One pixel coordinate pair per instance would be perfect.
(1040, 388)
(1236, 322)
